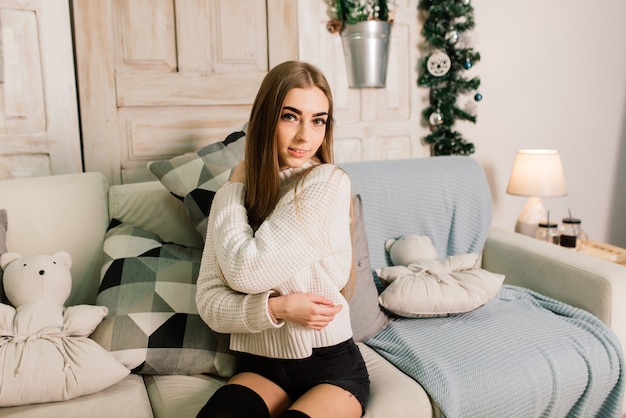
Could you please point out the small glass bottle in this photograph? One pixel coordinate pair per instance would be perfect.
(548, 232)
(571, 234)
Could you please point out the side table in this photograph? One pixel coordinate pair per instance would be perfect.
(604, 251)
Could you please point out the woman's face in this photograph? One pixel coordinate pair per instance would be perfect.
(301, 126)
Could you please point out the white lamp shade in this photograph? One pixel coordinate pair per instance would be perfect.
(537, 172)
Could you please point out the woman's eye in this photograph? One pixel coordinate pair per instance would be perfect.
(288, 116)
(320, 121)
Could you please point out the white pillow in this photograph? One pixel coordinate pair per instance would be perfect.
(430, 287)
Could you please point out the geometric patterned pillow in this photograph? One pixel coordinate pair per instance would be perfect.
(153, 326)
(195, 177)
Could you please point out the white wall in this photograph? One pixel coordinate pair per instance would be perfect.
(553, 75)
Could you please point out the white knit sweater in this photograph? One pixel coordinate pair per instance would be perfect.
(304, 246)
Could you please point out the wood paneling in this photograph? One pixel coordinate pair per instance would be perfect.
(162, 77)
(38, 109)
(372, 123)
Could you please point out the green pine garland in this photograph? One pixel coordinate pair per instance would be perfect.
(445, 21)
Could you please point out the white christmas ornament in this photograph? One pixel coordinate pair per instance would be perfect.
(438, 64)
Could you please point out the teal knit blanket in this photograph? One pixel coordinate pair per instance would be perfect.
(520, 355)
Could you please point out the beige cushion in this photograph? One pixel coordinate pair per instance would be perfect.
(127, 398)
(393, 393)
(429, 287)
(64, 212)
(180, 396)
(152, 207)
(55, 369)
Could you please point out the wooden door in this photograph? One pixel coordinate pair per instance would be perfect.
(158, 78)
(372, 123)
(39, 132)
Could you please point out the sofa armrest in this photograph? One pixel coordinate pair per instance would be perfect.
(578, 279)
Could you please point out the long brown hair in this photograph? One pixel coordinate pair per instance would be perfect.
(262, 168)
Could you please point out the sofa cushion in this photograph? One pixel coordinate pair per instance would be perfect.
(195, 177)
(365, 313)
(393, 394)
(180, 396)
(431, 287)
(54, 363)
(62, 212)
(153, 326)
(127, 398)
(146, 205)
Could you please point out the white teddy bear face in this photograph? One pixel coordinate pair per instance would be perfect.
(37, 277)
(408, 248)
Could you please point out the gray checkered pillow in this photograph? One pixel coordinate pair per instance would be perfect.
(195, 177)
(153, 326)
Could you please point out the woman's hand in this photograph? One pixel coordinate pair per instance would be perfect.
(304, 309)
(239, 173)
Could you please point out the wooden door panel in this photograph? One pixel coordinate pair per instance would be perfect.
(38, 109)
(185, 89)
(147, 132)
(239, 36)
(171, 76)
(145, 35)
(21, 91)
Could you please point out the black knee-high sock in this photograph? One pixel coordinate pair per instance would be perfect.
(234, 401)
(292, 413)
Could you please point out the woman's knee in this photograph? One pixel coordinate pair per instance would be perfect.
(234, 401)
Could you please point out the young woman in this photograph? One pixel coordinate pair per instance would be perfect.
(278, 253)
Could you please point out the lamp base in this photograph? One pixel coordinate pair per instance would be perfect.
(533, 213)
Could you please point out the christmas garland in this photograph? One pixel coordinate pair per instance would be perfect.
(441, 70)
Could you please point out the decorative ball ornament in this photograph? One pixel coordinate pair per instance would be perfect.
(435, 119)
(466, 2)
(452, 37)
(478, 97)
(439, 64)
(467, 64)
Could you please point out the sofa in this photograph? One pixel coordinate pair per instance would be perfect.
(77, 212)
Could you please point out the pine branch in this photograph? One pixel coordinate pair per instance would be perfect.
(444, 23)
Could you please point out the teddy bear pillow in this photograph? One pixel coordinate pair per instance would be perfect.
(45, 352)
(421, 285)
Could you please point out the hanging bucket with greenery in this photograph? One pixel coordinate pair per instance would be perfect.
(365, 27)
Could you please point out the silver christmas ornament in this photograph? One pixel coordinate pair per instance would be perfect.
(435, 119)
(452, 37)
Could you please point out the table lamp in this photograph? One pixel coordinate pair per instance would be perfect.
(536, 173)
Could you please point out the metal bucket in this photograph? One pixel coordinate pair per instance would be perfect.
(366, 50)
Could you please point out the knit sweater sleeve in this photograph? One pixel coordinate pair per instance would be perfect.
(222, 308)
(297, 233)
(241, 268)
